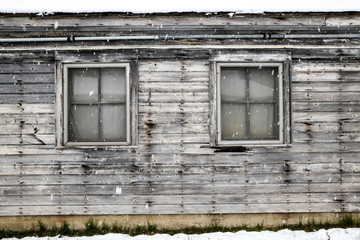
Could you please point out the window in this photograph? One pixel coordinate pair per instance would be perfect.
(249, 103)
(96, 104)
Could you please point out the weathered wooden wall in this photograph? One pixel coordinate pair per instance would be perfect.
(173, 169)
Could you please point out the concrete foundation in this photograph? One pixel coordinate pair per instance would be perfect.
(169, 221)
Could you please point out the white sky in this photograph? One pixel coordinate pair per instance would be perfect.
(151, 6)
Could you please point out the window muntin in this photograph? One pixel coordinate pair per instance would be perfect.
(249, 103)
(96, 105)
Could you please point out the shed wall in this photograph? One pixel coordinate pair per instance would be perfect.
(173, 168)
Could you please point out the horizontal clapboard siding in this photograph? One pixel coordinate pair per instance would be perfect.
(27, 124)
(326, 113)
(27, 82)
(173, 168)
(173, 88)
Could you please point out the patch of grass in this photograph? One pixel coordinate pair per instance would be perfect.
(105, 228)
(64, 230)
(93, 227)
(42, 228)
(115, 228)
(348, 220)
(148, 229)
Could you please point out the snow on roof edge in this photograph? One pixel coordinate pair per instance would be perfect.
(230, 13)
(165, 6)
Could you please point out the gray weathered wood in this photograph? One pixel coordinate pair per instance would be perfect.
(173, 165)
(24, 78)
(26, 88)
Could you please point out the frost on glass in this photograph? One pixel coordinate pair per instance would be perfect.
(83, 121)
(97, 105)
(249, 103)
(113, 122)
(233, 121)
(262, 84)
(84, 85)
(113, 84)
(262, 121)
(233, 84)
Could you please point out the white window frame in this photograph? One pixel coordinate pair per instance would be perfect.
(280, 110)
(66, 68)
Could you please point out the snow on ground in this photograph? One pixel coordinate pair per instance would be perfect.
(331, 234)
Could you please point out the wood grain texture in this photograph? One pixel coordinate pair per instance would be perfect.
(173, 165)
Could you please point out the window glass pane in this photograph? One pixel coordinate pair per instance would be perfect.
(113, 84)
(233, 121)
(263, 123)
(83, 123)
(84, 85)
(233, 84)
(262, 83)
(113, 121)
